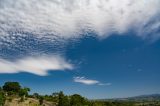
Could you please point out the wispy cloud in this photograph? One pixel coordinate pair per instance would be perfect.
(86, 81)
(105, 84)
(35, 65)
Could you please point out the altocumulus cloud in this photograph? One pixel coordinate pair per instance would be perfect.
(86, 81)
(59, 20)
(36, 65)
(71, 18)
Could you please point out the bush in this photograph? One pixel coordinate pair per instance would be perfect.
(24, 92)
(41, 100)
(2, 99)
(78, 100)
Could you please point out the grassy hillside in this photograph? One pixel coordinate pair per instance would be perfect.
(13, 94)
(27, 102)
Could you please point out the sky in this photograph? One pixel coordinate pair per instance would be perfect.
(97, 48)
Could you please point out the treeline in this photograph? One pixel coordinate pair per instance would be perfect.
(60, 99)
(11, 90)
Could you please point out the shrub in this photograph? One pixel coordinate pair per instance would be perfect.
(2, 99)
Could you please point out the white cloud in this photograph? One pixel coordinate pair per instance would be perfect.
(103, 84)
(83, 80)
(64, 19)
(34, 65)
(69, 18)
(86, 81)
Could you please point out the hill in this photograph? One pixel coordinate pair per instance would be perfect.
(27, 102)
(13, 94)
(151, 97)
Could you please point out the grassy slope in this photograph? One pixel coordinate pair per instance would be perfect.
(27, 102)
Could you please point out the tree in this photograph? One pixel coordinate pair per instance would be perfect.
(2, 98)
(23, 93)
(0, 88)
(11, 87)
(63, 100)
(36, 95)
(55, 94)
(77, 100)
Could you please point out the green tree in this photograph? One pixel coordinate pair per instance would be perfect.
(11, 87)
(63, 100)
(2, 98)
(55, 94)
(77, 100)
(23, 93)
(36, 95)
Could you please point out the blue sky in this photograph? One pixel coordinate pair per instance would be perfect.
(131, 66)
(112, 52)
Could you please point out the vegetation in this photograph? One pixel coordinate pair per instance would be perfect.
(11, 88)
(41, 100)
(13, 91)
(2, 97)
(78, 100)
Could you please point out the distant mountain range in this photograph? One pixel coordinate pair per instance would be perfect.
(150, 97)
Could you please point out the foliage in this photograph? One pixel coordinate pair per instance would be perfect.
(41, 100)
(60, 99)
(11, 90)
(24, 91)
(51, 98)
(63, 100)
(2, 98)
(11, 87)
(77, 100)
(36, 95)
